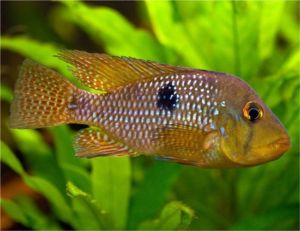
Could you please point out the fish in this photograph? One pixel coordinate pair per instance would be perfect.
(189, 116)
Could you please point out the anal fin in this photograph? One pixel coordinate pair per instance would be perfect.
(92, 142)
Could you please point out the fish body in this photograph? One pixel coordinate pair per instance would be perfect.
(185, 115)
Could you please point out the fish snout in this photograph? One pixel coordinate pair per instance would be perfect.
(272, 151)
(281, 145)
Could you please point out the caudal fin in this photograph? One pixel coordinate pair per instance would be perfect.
(41, 98)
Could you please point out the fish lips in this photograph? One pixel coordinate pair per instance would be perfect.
(262, 154)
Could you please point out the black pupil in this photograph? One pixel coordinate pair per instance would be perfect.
(253, 113)
(167, 97)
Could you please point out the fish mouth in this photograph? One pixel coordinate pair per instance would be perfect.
(270, 152)
(266, 153)
(281, 145)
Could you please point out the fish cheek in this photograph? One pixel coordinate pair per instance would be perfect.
(236, 140)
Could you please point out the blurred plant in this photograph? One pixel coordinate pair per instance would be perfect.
(243, 38)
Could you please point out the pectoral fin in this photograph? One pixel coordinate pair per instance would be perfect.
(92, 142)
(174, 137)
(185, 144)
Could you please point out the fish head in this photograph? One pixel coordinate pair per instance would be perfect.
(252, 134)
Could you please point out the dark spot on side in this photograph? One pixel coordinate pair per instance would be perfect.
(167, 98)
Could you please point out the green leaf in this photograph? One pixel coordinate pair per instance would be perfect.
(150, 195)
(291, 65)
(14, 211)
(55, 197)
(64, 145)
(119, 37)
(36, 219)
(232, 44)
(78, 175)
(171, 32)
(281, 218)
(174, 216)
(39, 184)
(24, 211)
(40, 52)
(73, 168)
(10, 159)
(270, 18)
(87, 209)
(39, 156)
(6, 93)
(289, 27)
(111, 187)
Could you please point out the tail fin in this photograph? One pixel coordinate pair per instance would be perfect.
(42, 97)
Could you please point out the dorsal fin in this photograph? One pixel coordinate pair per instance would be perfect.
(105, 72)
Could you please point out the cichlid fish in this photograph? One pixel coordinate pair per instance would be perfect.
(185, 115)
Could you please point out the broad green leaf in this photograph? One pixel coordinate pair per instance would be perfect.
(289, 27)
(8, 157)
(106, 26)
(150, 195)
(41, 185)
(86, 209)
(111, 187)
(14, 210)
(63, 142)
(73, 168)
(174, 216)
(6, 93)
(291, 65)
(78, 175)
(36, 219)
(270, 17)
(39, 156)
(51, 193)
(233, 45)
(197, 15)
(289, 87)
(40, 52)
(171, 32)
(44, 53)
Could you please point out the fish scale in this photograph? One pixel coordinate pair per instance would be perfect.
(181, 114)
(131, 115)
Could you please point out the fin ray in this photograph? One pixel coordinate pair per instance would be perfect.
(92, 142)
(41, 97)
(104, 72)
(182, 144)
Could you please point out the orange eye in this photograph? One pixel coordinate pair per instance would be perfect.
(252, 111)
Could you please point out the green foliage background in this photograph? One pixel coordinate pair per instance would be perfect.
(256, 40)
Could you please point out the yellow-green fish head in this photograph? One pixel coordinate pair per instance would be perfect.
(252, 134)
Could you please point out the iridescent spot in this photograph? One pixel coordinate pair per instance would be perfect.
(216, 112)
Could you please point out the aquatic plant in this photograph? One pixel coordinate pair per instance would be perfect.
(255, 40)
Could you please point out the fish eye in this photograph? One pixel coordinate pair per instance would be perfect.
(252, 111)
